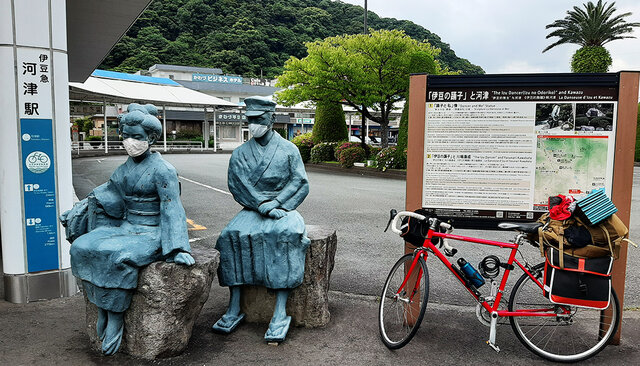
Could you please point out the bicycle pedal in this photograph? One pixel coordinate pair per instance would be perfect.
(495, 348)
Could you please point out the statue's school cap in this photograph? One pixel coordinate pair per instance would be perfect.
(256, 106)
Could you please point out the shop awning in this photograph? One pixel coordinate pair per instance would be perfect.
(115, 87)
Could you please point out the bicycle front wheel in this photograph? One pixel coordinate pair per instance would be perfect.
(402, 308)
(565, 338)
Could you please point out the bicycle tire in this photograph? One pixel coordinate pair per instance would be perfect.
(575, 338)
(394, 317)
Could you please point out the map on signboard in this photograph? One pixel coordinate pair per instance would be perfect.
(569, 166)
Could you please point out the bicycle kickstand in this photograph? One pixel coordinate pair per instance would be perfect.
(492, 332)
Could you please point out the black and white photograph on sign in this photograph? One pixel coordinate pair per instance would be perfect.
(554, 116)
(594, 117)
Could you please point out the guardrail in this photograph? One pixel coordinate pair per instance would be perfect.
(79, 146)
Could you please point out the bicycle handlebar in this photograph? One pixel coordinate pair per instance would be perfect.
(432, 222)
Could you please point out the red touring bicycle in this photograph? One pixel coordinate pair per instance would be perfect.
(561, 333)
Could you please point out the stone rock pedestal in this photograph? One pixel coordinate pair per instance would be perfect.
(164, 308)
(308, 304)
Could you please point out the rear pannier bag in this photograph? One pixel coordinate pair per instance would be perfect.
(584, 282)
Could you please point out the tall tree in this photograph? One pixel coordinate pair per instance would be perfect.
(369, 72)
(592, 28)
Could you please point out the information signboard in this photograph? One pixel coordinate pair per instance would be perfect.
(496, 148)
(39, 190)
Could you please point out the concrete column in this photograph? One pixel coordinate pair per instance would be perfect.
(105, 127)
(215, 131)
(35, 150)
(164, 126)
(205, 135)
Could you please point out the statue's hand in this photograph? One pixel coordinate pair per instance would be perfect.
(265, 208)
(184, 258)
(277, 213)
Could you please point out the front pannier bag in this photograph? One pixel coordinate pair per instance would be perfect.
(584, 282)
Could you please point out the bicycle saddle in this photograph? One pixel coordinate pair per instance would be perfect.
(527, 227)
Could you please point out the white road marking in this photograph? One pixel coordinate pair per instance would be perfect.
(205, 185)
(192, 240)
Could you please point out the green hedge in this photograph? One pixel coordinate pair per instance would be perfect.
(324, 151)
(304, 143)
(329, 125)
(351, 155)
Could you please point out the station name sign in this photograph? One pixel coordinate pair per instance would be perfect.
(496, 148)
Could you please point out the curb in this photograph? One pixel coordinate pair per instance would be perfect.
(369, 172)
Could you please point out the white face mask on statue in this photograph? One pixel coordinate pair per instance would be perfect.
(258, 130)
(135, 147)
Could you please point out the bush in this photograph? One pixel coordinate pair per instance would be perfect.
(401, 158)
(342, 146)
(188, 135)
(282, 132)
(387, 158)
(93, 138)
(351, 155)
(323, 151)
(591, 59)
(304, 143)
(329, 125)
(392, 158)
(373, 152)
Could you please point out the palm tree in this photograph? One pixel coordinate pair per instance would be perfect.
(591, 26)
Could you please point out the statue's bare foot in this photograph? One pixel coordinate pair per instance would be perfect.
(278, 329)
(101, 325)
(227, 323)
(113, 333)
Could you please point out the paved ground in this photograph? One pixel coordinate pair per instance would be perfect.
(52, 332)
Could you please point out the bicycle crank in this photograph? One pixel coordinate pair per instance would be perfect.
(484, 317)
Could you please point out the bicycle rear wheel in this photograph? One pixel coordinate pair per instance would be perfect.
(401, 310)
(571, 338)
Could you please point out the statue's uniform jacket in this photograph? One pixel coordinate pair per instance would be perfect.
(139, 220)
(259, 250)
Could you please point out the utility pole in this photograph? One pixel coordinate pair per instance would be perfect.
(366, 30)
(364, 119)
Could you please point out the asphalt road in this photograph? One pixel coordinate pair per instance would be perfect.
(357, 207)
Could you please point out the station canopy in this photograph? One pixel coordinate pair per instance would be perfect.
(116, 87)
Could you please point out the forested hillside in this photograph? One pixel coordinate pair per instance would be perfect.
(249, 37)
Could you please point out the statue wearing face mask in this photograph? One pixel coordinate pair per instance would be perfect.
(265, 243)
(128, 222)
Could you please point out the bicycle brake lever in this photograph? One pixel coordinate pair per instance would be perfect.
(450, 253)
(392, 214)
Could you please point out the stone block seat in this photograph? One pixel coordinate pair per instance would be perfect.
(308, 304)
(165, 306)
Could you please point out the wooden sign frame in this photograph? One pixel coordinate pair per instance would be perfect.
(628, 83)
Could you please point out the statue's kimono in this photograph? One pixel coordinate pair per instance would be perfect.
(134, 219)
(259, 250)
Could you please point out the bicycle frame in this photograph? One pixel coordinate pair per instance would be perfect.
(427, 245)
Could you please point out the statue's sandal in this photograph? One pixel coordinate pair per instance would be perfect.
(226, 325)
(278, 332)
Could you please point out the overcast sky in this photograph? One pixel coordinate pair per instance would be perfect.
(506, 36)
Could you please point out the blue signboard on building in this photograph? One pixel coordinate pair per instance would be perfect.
(39, 192)
(224, 79)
